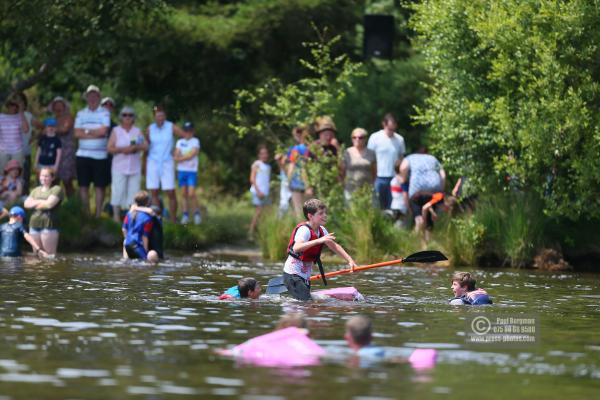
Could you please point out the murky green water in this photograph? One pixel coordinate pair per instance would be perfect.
(94, 327)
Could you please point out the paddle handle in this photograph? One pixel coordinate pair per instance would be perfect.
(361, 268)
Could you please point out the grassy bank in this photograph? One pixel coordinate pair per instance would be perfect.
(225, 222)
(507, 230)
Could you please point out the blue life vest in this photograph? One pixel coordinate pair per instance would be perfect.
(476, 297)
(231, 293)
(11, 236)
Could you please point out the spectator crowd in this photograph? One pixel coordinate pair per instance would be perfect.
(100, 150)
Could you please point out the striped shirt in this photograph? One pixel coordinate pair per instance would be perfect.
(11, 140)
(94, 147)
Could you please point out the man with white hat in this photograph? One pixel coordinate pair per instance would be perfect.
(91, 128)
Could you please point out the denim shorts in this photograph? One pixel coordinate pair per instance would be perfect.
(38, 231)
(187, 178)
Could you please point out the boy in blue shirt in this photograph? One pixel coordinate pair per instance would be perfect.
(463, 287)
(137, 228)
(246, 288)
(12, 233)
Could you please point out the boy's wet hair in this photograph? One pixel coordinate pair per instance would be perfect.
(245, 285)
(312, 206)
(142, 198)
(296, 319)
(360, 329)
(464, 279)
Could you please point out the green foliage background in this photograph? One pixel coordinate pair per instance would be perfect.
(515, 93)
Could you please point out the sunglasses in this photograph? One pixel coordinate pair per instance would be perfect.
(359, 137)
(127, 115)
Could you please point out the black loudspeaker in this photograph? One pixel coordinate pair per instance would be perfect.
(379, 36)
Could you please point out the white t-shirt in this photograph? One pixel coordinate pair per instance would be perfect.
(387, 152)
(293, 265)
(87, 119)
(398, 200)
(263, 177)
(185, 147)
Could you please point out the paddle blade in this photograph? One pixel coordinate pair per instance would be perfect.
(276, 286)
(428, 256)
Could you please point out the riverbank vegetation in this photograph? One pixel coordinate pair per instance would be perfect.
(506, 95)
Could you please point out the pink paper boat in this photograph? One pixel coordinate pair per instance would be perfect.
(347, 293)
(423, 358)
(289, 347)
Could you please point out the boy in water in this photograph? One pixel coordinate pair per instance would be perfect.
(304, 249)
(463, 286)
(12, 232)
(137, 228)
(359, 333)
(246, 288)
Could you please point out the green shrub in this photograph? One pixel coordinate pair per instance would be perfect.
(461, 238)
(274, 234)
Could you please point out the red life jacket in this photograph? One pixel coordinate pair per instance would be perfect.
(311, 254)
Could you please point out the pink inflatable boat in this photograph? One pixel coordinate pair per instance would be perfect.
(289, 347)
(348, 293)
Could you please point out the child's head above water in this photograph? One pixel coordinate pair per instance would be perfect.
(358, 332)
(462, 283)
(296, 319)
(249, 288)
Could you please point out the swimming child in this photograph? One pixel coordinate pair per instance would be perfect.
(137, 228)
(304, 249)
(11, 186)
(49, 147)
(260, 176)
(359, 333)
(246, 288)
(463, 286)
(11, 234)
(186, 155)
(296, 319)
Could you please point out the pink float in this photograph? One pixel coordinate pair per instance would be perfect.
(348, 293)
(289, 347)
(423, 358)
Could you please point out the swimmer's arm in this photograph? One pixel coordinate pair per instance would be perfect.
(146, 242)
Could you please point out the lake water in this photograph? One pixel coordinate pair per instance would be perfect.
(95, 327)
